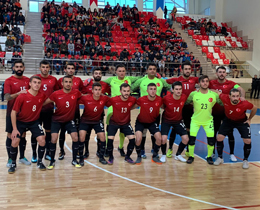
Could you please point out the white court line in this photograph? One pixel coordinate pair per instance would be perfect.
(154, 188)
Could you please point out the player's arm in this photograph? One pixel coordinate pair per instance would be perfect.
(15, 132)
(190, 98)
(242, 91)
(218, 99)
(166, 85)
(108, 80)
(171, 80)
(48, 100)
(136, 84)
(134, 106)
(10, 97)
(252, 114)
(134, 79)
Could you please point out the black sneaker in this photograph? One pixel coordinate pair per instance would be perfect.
(103, 161)
(11, 170)
(61, 155)
(76, 164)
(51, 165)
(129, 160)
(41, 166)
(190, 160)
(81, 162)
(138, 161)
(86, 155)
(106, 154)
(121, 151)
(210, 160)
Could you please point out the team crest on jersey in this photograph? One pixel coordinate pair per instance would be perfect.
(224, 86)
(76, 83)
(238, 110)
(101, 102)
(26, 82)
(130, 104)
(73, 97)
(50, 81)
(190, 81)
(126, 81)
(181, 103)
(156, 104)
(210, 99)
(40, 100)
(158, 84)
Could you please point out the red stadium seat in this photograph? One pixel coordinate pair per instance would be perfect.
(128, 39)
(222, 56)
(205, 37)
(205, 50)
(125, 46)
(226, 61)
(239, 39)
(194, 37)
(233, 44)
(2, 54)
(234, 34)
(190, 32)
(222, 44)
(216, 49)
(210, 55)
(244, 45)
(131, 46)
(229, 30)
(198, 42)
(214, 61)
(217, 43)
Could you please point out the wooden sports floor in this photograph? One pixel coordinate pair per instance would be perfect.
(173, 185)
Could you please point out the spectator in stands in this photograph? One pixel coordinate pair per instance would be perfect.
(224, 31)
(124, 54)
(17, 46)
(161, 65)
(71, 48)
(4, 30)
(185, 58)
(104, 66)
(6, 17)
(192, 25)
(93, 54)
(137, 53)
(254, 86)
(233, 67)
(9, 44)
(91, 38)
(165, 11)
(78, 47)
(63, 47)
(107, 49)
(48, 46)
(88, 64)
(87, 48)
(102, 35)
(197, 67)
(99, 49)
(198, 24)
(48, 56)
(184, 45)
(57, 62)
(55, 47)
(164, 76)
(133, 63)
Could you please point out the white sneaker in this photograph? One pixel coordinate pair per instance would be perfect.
(218, 161)
(163, 159)
(245, 164)
(233, 158)
(180, 158)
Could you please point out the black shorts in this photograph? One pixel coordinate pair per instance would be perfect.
(187, 113)
(9, 127)
(69, 126)
(179, 128)
(77, 118)
(152, 127)
(46, 119)
(34, 126)
(228, 125)
(125, 129)
(98, 127)
(217, 119)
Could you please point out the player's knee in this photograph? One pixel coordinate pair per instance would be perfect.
(220, 137)
(15, 142)
(41, 141)
(185, 139)
(192, 140)
(9, 135)
(247, 141)
(211, 141)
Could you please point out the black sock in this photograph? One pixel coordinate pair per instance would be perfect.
(102, 149)
(247, 150)
(81, 148)
(110, 147)
(48, 141)
(130, 147)
(75, 149)
(231, 145)
(143, 143)
(41, 151)
(8, 143)
(138, 150)
(187, 146)
(163, 147)
(87, 143)
(155, 150)
(34, 146)
(172, 139)
(180, 148)
(13, 154)
(220, 147)
(52, 151)
(62, 139)
(22, 147)
(153, 141)
(98, 145)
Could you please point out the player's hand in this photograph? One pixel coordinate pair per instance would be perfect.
(242, 98)
(22, 91)
(14, 134)
(248, 121)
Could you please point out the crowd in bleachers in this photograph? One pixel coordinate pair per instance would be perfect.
(107, 36)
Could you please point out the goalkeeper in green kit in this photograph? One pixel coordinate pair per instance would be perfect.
(203, 101)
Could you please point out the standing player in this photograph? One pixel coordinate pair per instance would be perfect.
(203, 101)
(147, 119)
(142, 83)
(49, 84)
(235, 111)
(120, 119)
(172, 117)
(25, 115)
(77, 84)
(92, 118)
(115, 83)
(13, 87)
(224, 86)
(66, 102)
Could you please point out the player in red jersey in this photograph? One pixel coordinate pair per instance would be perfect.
(49, 84)
(120, 119)
(235, 111)
(13, 87)
(92, 118)
(97, 76)
(66, 102)
(172, 117)
(77, 84)
(223, 85)
(25, 116)
(147, 119)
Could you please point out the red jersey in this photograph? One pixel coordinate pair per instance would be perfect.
(223, 88)
(48, 86)
(28, 106)
(149, 110)
(14, 85)
(93, 109)
(236, 112)
(105, 88)
(121, 109)
(173, 108)
(77, 83)
(66, 104)
(188, 85)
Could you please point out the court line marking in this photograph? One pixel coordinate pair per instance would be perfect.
(240, 207)
(149, 186)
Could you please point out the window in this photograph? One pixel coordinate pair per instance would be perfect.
(102, 3)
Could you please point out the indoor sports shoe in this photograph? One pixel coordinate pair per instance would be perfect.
(34, 159)
(110, 161)
(61, 155)
(76, 164)
(163, 159)
(24, 161)
(156, 160)
(180, 158)
(129, 160)
(81, 162)
(41, 166)
(143, 155)
(121, 151)
(233, 158)
(103, 161)
(187, 154)
(51, 166)
(169, 153)
(138, 161)
(48, 157)
(190, 160)
(210, 160)
(86, 155)
(218, 161)
(11, 170)
(9, 163)
(245, 164)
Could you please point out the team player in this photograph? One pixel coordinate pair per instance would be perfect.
(49, 84)
(92, 118)
(172, 117)
(223, 85)
(25, 116)
(13, 87)
(203, 101)
(115, 83)
(66, 102)
(147, 119)
(235, 111)
(77, 84)
(142, 84)
(120, 119)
